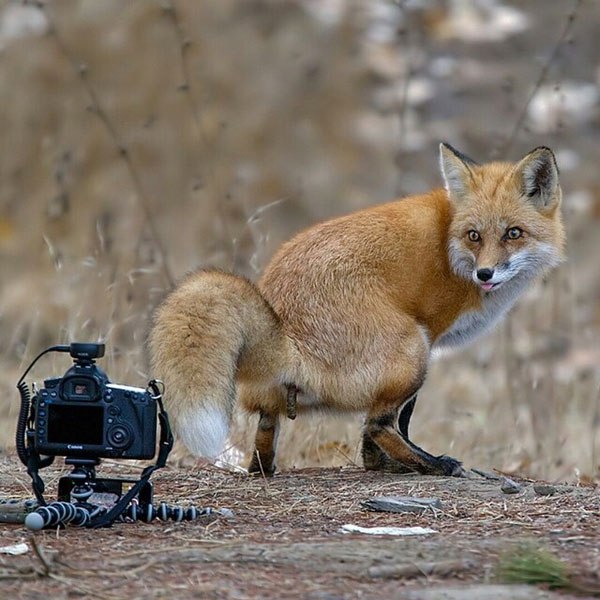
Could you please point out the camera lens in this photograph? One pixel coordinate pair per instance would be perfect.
(119, 436)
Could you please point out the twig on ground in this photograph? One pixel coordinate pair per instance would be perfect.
(38, 551)
(348, 458)
(262, 471)
(445, 567)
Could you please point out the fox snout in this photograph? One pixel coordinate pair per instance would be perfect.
(489, 277)
(484, 274)
(492, 275)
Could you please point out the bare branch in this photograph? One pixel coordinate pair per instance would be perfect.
(201, 138)
(82, 71)
(184, 45)
(564, 36)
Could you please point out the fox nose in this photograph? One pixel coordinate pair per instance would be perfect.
(485, 274)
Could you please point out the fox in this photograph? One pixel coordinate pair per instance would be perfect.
(348, 312)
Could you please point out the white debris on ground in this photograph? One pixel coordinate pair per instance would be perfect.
(15, 549)
(399, 531)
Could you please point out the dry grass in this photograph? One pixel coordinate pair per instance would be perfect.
(285, 537)
(533, 565)
(207, 133)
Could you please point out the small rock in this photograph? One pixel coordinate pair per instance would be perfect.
(401, 504)
(508, 486)
(544, 489)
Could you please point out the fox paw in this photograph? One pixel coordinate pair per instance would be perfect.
(259, 468)
(450, 466)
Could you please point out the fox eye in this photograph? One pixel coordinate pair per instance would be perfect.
(514, 233)
(473, 235)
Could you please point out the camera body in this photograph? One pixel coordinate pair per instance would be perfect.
(84, 415)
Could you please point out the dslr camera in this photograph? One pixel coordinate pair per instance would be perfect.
(83, 415)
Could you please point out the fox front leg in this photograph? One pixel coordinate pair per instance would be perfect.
(387, 447)
(374, 458)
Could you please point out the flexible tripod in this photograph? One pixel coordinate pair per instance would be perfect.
(75, 493)
(82, 482)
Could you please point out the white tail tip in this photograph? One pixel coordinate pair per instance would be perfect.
(203, 432)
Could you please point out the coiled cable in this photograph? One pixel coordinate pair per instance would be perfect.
(22, 422)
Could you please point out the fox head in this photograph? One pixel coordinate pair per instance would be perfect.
(506, 220)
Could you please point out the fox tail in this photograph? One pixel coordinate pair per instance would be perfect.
(212, 329)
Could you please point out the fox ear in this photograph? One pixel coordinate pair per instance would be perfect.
(456, 171)
(538, 172)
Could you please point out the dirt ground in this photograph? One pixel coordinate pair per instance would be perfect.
(284, 540)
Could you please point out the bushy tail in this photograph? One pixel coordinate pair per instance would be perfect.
(209, 327)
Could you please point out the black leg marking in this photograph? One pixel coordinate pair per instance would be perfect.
(386, 446)
(405, 414)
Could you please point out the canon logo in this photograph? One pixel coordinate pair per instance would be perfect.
(74, 447)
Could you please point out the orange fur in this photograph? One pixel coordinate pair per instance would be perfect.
(349, 310)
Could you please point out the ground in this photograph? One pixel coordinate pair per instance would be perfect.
(284, 538)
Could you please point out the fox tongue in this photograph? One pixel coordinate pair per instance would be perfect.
(486, 286)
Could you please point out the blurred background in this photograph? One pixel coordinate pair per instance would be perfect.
(143, 139)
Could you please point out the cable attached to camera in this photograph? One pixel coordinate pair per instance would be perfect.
(81, 512)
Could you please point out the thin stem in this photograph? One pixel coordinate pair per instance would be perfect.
(568, 26)
(82, 72)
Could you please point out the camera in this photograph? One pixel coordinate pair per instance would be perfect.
(84, 415)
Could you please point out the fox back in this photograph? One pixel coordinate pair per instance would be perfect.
(453, 260)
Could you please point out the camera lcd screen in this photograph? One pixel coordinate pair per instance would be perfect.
(82, 425)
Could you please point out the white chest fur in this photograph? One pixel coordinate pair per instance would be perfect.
(476, 322)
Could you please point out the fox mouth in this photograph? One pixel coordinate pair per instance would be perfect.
(488, 287)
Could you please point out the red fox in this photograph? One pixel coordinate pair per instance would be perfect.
(347, 313)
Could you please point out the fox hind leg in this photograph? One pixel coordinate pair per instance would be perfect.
(263, 456)
(375, 459)
(449, 464)
(269, 403)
